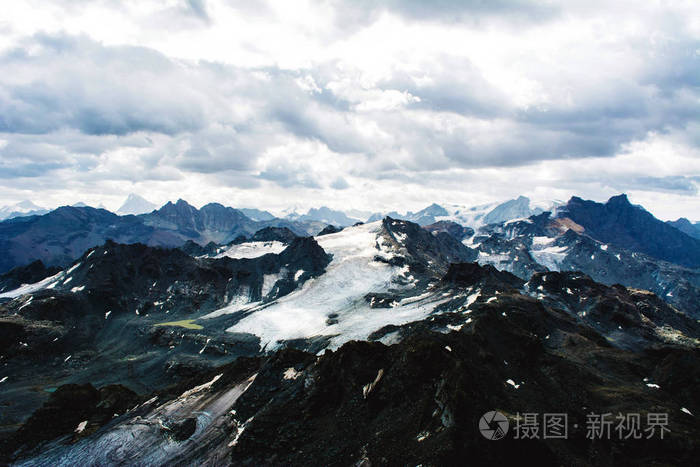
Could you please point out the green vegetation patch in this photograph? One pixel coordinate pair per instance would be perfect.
(185, 323)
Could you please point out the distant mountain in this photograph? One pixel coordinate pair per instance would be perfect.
(324, 215)
(428, 215)
(458, 231)
(271, 234)
(62, 235)
(58, 237)
(21, 209)
(213, 222)
(358, 214)
(257, 214)
(513, 209)
(423, 217)
(475, 216)
(135, 204)
(687, 227)
(544, 243)
(620, 223)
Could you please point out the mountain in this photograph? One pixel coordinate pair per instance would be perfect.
(685, 226)
(457, 231)
(475, 216)
(257, 214)
(271, 234)
(324, 215)
(619, 223)
(29, 274)
(59, 237)
(543, 243)
(21, 209)
(203, 337)
(135, 204)
(513, 209)
(62, 235)
(425, 216)
(379, 344)
(213, 222)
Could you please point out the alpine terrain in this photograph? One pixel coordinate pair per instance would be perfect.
(190, 336)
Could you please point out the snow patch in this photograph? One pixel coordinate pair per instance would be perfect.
(367, 388)
(47, 283)
(512, 383)
(31, 297)
(269, 281)
(351, 275)
(252, 249)
(205, 346)
(81, 426)
(76, 266)
(291, 373)
(201, 387)
(239, 302)
(550, 257)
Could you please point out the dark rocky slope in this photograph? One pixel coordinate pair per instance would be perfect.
(126, 314)
(559, 344)
(620, 223)
(29, 274)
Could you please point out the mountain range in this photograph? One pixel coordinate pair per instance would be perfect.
(687, 227)
(203, 336)
(23, 208)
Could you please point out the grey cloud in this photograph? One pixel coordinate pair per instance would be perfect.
(454, 10)
(76, 83)
(352, 14)
(198, 8)
(453, 84)
(340, 184)
(674, 184)
(81, 99)
(290, 175)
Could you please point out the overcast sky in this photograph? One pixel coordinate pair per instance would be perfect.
(350, 104)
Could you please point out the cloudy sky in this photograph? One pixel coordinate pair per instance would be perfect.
(351, 104)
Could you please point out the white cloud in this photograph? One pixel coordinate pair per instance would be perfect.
(370, 104)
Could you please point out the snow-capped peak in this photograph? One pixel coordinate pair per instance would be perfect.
(136, 204)
(23, 208)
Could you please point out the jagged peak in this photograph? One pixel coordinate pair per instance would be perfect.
(619, 200)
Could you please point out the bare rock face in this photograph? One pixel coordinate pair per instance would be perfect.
(620, 223)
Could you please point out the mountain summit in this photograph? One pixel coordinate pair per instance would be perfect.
(135, 204)
(21, 209)
(620, 223)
